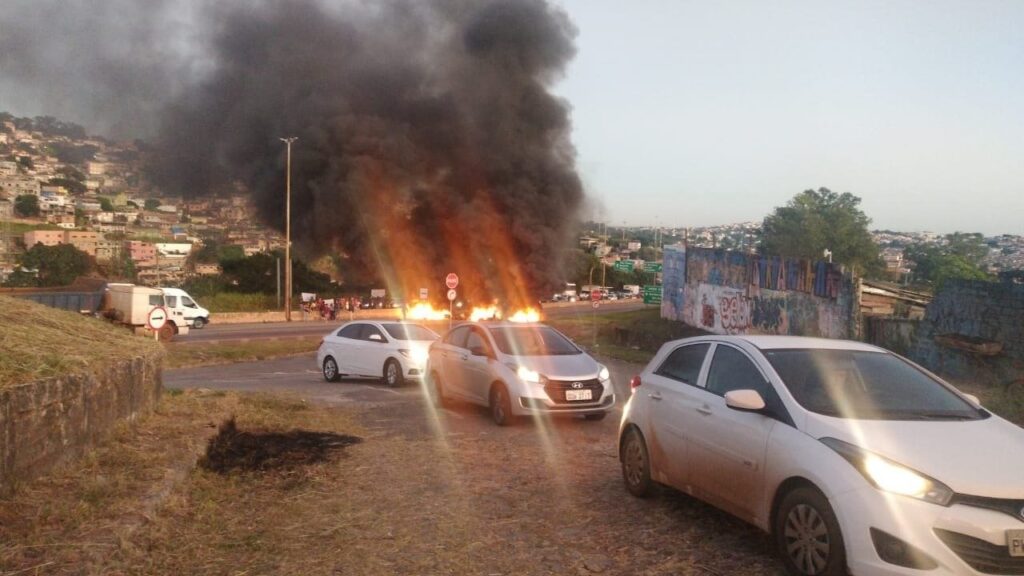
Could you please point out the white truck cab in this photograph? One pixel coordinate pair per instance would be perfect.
(184, 309)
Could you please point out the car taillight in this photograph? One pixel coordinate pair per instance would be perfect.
(635, 383)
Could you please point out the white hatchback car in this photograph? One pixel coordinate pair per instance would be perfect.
(394, 351)
(855, 459)
(518, 370)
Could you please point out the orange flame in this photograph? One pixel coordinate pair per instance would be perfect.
(525, 315)
(424, 311)
(485, 313)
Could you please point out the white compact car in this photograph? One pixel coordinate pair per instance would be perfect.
(517, 370)
(855, 459)
(394, 351)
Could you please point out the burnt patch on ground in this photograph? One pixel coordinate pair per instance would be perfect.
(237, 450)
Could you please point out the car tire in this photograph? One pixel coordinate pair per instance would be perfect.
(501, 406)
(807, 535)
(393, 373)
(636, 464)
(436, 391)
(596, 417)
(330, 369)
(198, 323)
(167, 332)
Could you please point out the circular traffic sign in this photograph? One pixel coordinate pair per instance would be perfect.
(451, 280)
(156, 318)
(596, 303)
(595, 295)
(452, 295)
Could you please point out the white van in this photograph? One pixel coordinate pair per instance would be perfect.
(182, 306)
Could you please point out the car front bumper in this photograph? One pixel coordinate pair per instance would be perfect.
(961, 540)
(534, 399)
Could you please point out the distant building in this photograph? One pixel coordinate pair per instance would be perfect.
(633, 246)
(141, 252)
(208, 269)
(44, 237)
(6, 209)
(84, 240)
(8, 168)
(20, 186)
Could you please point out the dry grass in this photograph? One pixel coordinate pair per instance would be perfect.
(184, 354)
(37, 342)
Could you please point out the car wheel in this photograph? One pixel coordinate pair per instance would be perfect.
(331, 373)
(198, 323)
(436, 390)
(596, 417)
(636, 465)
(167, 332)
(501, 406)
(807, 535)
(393, 373)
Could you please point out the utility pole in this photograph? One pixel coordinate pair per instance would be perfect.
(288, 232)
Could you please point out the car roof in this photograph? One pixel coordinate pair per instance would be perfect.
(506, 324)
(772, 342)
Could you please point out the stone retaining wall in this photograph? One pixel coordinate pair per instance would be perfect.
(45, 423)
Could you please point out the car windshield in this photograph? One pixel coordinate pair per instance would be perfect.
(533, 341)
(866, 385)
(409, 332)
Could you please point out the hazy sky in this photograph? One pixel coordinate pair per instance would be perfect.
(695, 113)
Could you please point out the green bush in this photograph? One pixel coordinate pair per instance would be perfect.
(238, 302)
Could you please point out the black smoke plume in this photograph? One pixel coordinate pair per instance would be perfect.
(428, 138)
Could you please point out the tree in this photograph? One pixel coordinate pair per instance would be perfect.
(54, 265)
(27, 205)
(26, 162)
(818, 220)
(959, 257)
(152, 204)
(73, 186)
(105, 204)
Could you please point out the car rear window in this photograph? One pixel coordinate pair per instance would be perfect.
(866, 385)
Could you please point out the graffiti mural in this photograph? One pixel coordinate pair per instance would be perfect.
(735, 293)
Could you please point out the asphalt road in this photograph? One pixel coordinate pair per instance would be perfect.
(269, 330)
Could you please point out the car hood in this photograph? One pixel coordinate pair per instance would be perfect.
(977, 457)
(568, 367)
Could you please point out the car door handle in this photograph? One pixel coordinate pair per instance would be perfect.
(654, 396)
(705, 410)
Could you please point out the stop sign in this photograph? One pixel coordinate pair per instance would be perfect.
(595, 295)
(451, 280)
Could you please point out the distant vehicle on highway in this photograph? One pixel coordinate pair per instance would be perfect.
(518, 370)
(180, 304)
(853, 458)
(393, 351)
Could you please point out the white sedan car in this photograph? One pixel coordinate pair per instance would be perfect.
(853, 458)
(394, 351)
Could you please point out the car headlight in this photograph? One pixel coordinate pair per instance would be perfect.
(891, 477)
(417, 355)
(525, 374)
(604, 374)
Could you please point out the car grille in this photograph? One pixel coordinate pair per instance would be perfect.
(1014, 508)
(556, 390)
(983, 556)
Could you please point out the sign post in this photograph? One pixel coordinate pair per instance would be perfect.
(452, 282)
(156, 319)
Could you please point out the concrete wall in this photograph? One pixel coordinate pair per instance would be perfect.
(974, 330)
(51, 421)
(729, 292)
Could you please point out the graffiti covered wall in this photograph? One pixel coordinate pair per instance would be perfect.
(974, 330)
(727, 292)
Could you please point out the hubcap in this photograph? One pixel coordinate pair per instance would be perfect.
(392, 373)
(330, 369)
(634, 462)
(807, 541)
(499, 405)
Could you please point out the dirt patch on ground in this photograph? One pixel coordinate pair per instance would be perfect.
(235, 450)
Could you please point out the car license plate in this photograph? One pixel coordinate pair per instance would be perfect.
(577, 395)
(1015, 540)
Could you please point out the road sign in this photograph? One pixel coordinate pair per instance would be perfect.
(596, 304)
(652, 294)
(623, 266)
(652, 266)
(423, 293)
(595, 295)
(157, 318)
(451, 280)
(452, 295)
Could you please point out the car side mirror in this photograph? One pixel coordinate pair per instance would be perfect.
(377, 338)
(744, 400)
(973, 399)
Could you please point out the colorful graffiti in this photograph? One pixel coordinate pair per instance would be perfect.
(734, 293)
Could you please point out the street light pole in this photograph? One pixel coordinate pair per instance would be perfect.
(288, 233)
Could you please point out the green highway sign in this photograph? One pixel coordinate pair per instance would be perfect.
(652, 266)
(652, 294)
(624, 265)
